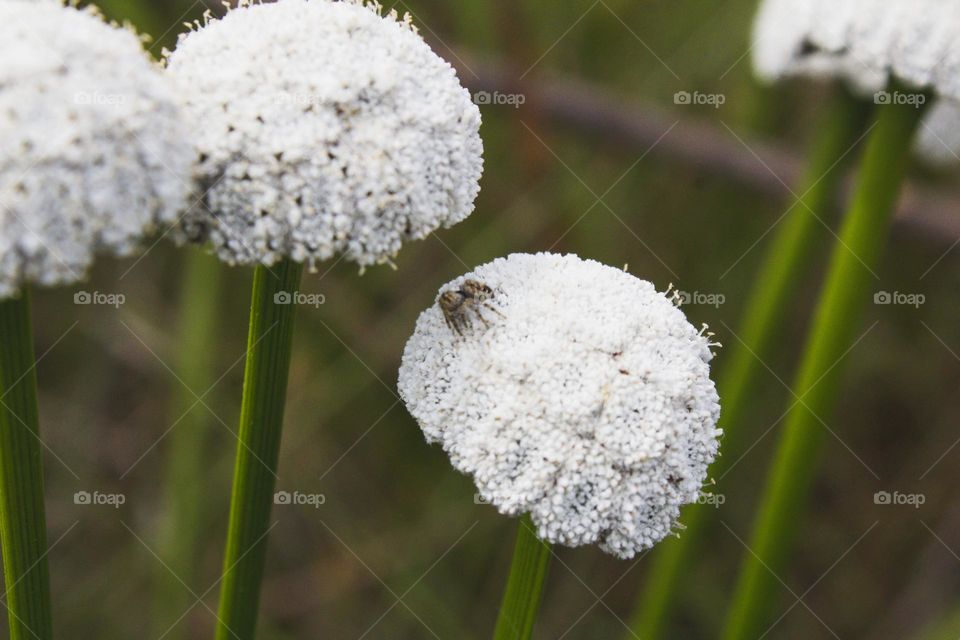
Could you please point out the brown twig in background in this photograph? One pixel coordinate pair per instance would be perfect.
(767, 167)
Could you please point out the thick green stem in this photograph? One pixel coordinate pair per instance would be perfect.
(836, 322)
(787, 260)
(22, 522)
(199, 315)
(261, 419)
(528, 573)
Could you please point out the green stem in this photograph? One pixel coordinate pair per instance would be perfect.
(261, 418)
(944, 628)
(817, 386)
(528, 572)
(22, 521)
(787, 260)
(199, 307)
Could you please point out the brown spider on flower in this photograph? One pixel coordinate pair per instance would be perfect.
(460, 305)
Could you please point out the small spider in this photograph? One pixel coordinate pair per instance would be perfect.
(461, 304)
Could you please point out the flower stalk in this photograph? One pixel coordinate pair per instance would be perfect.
(789, 256)
(199, 306)
(524, 590)
(817, 386)
(261, 418)
(22, 519)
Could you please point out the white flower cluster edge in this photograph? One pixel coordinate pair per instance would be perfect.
(866, 42)
(93, 152)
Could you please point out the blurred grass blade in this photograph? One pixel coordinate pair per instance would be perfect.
(794, 242)
(261, 419)
(944, 628)
(181, 525)
(835, 325)
(528, 572)
(22, 520)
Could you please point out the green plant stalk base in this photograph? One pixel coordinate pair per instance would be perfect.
(22, 519)
(261, 419)
(836, 321)
(528, 573)
(793, 244)
(196, 331)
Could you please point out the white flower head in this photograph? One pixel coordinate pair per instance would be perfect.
(324, 127)
(571, 391)
(866, 43)
(863, 41)
(93, 153)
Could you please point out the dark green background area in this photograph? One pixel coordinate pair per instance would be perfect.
(397, 521)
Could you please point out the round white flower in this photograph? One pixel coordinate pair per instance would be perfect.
(571, 391)
(324, 128)
(866, 42)
(93, 154)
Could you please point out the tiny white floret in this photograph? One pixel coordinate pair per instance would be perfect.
(574, 392)
(93, 151)
(324, 128)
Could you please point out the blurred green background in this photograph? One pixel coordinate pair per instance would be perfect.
(399, 548)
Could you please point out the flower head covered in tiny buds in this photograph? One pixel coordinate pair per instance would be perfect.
(866, 42)
(574, 392)
(324, 128)
(93, 151)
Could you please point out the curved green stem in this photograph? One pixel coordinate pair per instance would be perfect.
(787, 260)
(834, 330)
(261, 419)
(528, 573)
(199, 307)
(22, 520)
